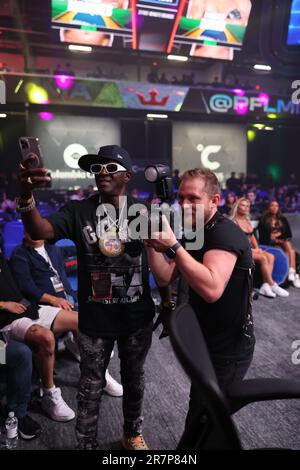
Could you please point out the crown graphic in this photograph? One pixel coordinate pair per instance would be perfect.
(153, 101)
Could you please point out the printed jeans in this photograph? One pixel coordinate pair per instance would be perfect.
(95, 356)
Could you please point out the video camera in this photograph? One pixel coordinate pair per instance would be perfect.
(161, 175)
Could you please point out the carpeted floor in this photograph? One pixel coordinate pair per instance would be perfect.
(268, 424)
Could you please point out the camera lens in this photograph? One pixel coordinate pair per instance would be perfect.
(151, 174)
(24, 144)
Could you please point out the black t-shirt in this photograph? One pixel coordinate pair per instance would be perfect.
(223, 322)
(114, 294)
(9, 292)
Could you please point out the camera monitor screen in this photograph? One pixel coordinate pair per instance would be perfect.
(293, 38)
(204, 28)
(103, 14)
(212, 28)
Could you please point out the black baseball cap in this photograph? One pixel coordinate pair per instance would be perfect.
(107, 152)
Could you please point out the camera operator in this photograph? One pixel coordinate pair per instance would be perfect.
(219, 282)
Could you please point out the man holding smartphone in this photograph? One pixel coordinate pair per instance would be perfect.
(114, 297)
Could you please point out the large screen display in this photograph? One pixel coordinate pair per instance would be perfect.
(200, 28)
(294, 24)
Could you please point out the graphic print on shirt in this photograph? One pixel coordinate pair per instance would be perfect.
(116, 277)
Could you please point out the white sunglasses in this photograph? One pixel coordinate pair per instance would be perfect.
(110, 168)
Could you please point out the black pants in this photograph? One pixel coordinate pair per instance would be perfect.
(228, 369)
(95, 356)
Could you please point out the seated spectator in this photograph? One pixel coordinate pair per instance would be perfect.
(18, 387)
(78, 196)
(39, 270)
(240, 215)
(229, 202)
(28, 323)
(275, 230)
(90, 190)
(6, 205)
(256, 207)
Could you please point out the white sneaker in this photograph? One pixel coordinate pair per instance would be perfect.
(292, 275)
(266, 290)
(279, 291)
(296, 282)
(55, 407)
(112, 387)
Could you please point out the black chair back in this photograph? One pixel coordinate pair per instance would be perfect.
(191, 350)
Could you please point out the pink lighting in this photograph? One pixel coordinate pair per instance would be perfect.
(64, 82)
(241, 107)
(263, 99)
(46, 116)
(238, 92)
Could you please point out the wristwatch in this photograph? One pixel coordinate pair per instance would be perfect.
(171, 252)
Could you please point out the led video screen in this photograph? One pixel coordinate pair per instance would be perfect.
(200, 28)
(294, 24)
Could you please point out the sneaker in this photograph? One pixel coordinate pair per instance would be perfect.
(112, 387)
(292, 275)
(28, 428)
(55, 407)
(279, 291)
(296, 282)
(134, 442)
(84, 444)
(72, 347)
(267, 291)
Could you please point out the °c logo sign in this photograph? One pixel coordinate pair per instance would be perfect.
(72, 154)
(206, 152)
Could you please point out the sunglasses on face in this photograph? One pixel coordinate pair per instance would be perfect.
(110, 168)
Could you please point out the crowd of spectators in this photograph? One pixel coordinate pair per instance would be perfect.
(259, 194)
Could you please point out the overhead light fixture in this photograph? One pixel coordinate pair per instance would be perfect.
(262, 67)
(269, 128)
(157, 116)
(259, 126)
(78, 48)
(3, 115)
(180, 58)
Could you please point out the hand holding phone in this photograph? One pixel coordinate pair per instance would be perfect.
(32, 171)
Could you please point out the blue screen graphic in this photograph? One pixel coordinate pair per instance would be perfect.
(294, 24)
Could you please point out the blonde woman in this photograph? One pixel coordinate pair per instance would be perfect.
(240, 215)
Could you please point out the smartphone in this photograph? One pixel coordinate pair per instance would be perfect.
(30, 147)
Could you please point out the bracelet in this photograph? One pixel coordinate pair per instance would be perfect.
(2, 305)
(22, 201)
(27, 207)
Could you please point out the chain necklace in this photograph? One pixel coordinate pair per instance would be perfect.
(112, 236)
